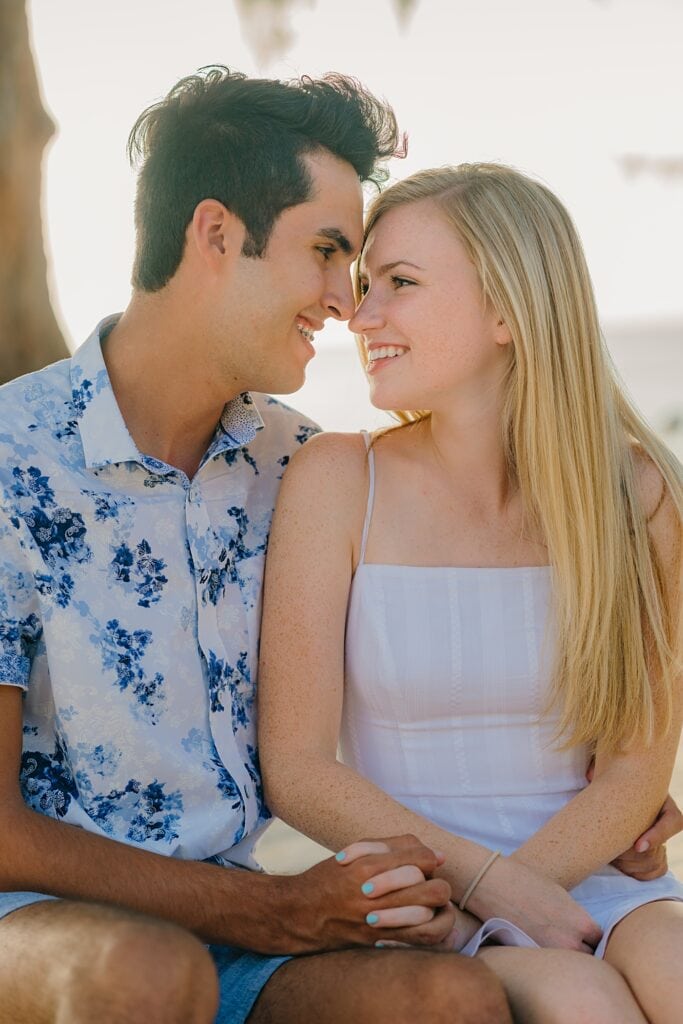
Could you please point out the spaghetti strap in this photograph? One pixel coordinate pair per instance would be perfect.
(371, 495)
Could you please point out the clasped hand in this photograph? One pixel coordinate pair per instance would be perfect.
(373, 892)
(383, 892)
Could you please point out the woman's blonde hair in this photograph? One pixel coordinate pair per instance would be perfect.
(571, 436)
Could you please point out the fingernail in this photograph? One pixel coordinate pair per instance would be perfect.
(341, 855)
(372, 918)
(379, 945)
(366, 888)
(642, 846)
(439, 853)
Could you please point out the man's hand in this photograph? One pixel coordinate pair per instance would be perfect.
(374, 891)
(464, 924)
(647, 857)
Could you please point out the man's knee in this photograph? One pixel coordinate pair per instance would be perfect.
(144, 971)
(453, 990)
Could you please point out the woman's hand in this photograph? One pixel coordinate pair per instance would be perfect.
(465, 926)
(407, 898)
(539, 906)
(409, 877)
(331, 905)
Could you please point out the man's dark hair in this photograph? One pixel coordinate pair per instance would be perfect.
(220, 135)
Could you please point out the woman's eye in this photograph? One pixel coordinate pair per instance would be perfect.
(401, 282)
(363, 287)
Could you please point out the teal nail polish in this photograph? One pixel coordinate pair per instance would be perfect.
(366, 888)
(372, 918)
(379, 945)
(341, 855)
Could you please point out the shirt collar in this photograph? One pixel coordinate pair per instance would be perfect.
(104, 435)
(239, 424)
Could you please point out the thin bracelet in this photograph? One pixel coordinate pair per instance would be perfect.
(477, 879)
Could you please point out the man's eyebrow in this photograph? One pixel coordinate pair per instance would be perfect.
(335, 235)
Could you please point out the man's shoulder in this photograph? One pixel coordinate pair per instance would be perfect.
(35, 414)
(283, 426)
(22, 397)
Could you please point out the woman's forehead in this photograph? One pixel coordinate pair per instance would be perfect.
(412, 232)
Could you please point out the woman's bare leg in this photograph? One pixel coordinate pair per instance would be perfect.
(647, 948)
(557, 986)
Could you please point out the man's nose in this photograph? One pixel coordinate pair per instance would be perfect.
(339, 301)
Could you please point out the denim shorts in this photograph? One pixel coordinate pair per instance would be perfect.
(242, 975)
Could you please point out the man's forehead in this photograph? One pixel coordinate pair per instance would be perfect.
(336, 197)
(342, 223)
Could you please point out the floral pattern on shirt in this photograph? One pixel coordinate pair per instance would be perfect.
(129, 612)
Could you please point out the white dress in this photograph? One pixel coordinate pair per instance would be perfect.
(446, 676)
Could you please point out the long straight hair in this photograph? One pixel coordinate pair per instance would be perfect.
(571, 436)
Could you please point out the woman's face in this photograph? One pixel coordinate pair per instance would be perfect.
(430, 337)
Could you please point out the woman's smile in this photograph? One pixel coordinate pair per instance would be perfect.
(381, 355)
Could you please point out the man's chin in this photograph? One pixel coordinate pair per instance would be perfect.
(283, 386)
(288, 384)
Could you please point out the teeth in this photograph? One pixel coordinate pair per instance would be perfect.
(386, 352)
(308, 332)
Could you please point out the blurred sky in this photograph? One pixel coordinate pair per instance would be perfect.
(562, 88)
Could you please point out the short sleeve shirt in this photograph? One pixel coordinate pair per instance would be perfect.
(130, 608)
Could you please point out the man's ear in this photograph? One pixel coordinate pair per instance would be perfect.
(216, 233)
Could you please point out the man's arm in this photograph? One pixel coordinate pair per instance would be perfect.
(323, 908)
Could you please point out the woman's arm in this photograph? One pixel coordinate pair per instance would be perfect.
(316, 529)
(628, 790)
(647, 859)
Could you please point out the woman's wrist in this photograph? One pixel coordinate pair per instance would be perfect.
(488, 863)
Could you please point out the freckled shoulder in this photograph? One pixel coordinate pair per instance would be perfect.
(330, 472)
(650, 483)
(663, 518)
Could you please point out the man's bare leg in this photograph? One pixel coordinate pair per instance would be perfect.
(391, 986)
(74, 963)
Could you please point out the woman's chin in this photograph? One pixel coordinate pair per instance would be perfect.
(380, 405)
(389, 401)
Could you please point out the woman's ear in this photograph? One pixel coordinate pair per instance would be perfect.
(502, 333)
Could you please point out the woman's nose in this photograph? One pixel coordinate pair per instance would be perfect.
(366, 316)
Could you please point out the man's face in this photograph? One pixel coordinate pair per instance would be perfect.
(304, 277)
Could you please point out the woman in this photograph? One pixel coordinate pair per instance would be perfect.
(486, 598)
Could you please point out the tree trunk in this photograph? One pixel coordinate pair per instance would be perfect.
(29, 334)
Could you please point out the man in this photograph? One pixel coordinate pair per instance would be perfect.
(138, 481)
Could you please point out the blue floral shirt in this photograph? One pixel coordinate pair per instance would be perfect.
(129, 611)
